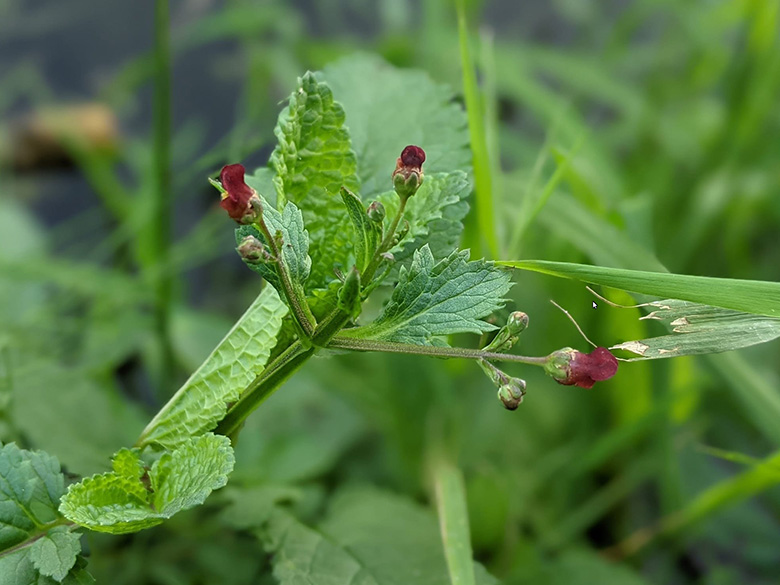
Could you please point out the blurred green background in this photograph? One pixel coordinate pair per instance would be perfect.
(638, 134)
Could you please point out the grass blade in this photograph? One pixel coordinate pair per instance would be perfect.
(483, 180)
(750, 296)
(454, 523)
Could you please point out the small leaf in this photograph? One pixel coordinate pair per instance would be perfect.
(202, 402)
(450, 296)
(699, 329)
(313, 160)
(55, 553)
(179, 480)
(35, 547)
(293, 243)
(368, 232)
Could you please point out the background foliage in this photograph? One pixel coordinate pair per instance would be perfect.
(637, 135)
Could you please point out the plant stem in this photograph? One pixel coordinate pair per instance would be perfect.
(386, 244)
(273, 376)
(296, 298)
(161, 236)
(353, 343)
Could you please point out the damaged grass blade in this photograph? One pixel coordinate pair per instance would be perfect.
(701, 329)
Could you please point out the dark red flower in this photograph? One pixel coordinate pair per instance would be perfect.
(574, 368)
(413, 156)
(237, 196)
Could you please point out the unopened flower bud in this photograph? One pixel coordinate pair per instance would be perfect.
(408, 174)
(508, 335)
(253, 251)
(570, 367)
(376, 212)
(511, 394)
(401, 233)
(238, 199)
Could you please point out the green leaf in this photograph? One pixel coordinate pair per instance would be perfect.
(55, 553)
(202, 402)
(302, 555)
(431, 298)
(388, 109)
(34, 545)
(368, 232)
(434, 214)
(751, 296)
(50, 404)
(313, 160)
(120, 501)
(699, 329)
(454, 522)
(395, 540)
(294, 245)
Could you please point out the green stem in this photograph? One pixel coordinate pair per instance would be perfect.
(161, 236)
(295, 296)
(386, 244)
(273, 376)
(278, 371)
(342, 342)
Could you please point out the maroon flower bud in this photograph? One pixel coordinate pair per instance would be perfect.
(573, 368)
(253, 251)
(408, 174)
(238, 197)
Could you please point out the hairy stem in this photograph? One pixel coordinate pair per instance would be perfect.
(343, 342)
(386, 244)
(295, 296)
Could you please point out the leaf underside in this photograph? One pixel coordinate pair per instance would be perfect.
(202, 401)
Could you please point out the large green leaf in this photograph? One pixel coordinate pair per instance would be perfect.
(394, 539)
(750, 296)
(432, 298)
(388, 109)
(35, 545)
(313, 160)
(129, 498)
(202, 402)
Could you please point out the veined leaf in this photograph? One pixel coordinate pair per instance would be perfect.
(388, 109)
(434, 214)
(120, 501)
(294, 244)
(431, 298)
(699, 329)
(313, 160)
(303, 555)
(751, 296)
(35, 546)
(202, 402)
(368, 232)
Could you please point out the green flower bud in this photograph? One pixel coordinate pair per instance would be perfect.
(511, 394)
(376, 212)
(253, 251)
(508, 335)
